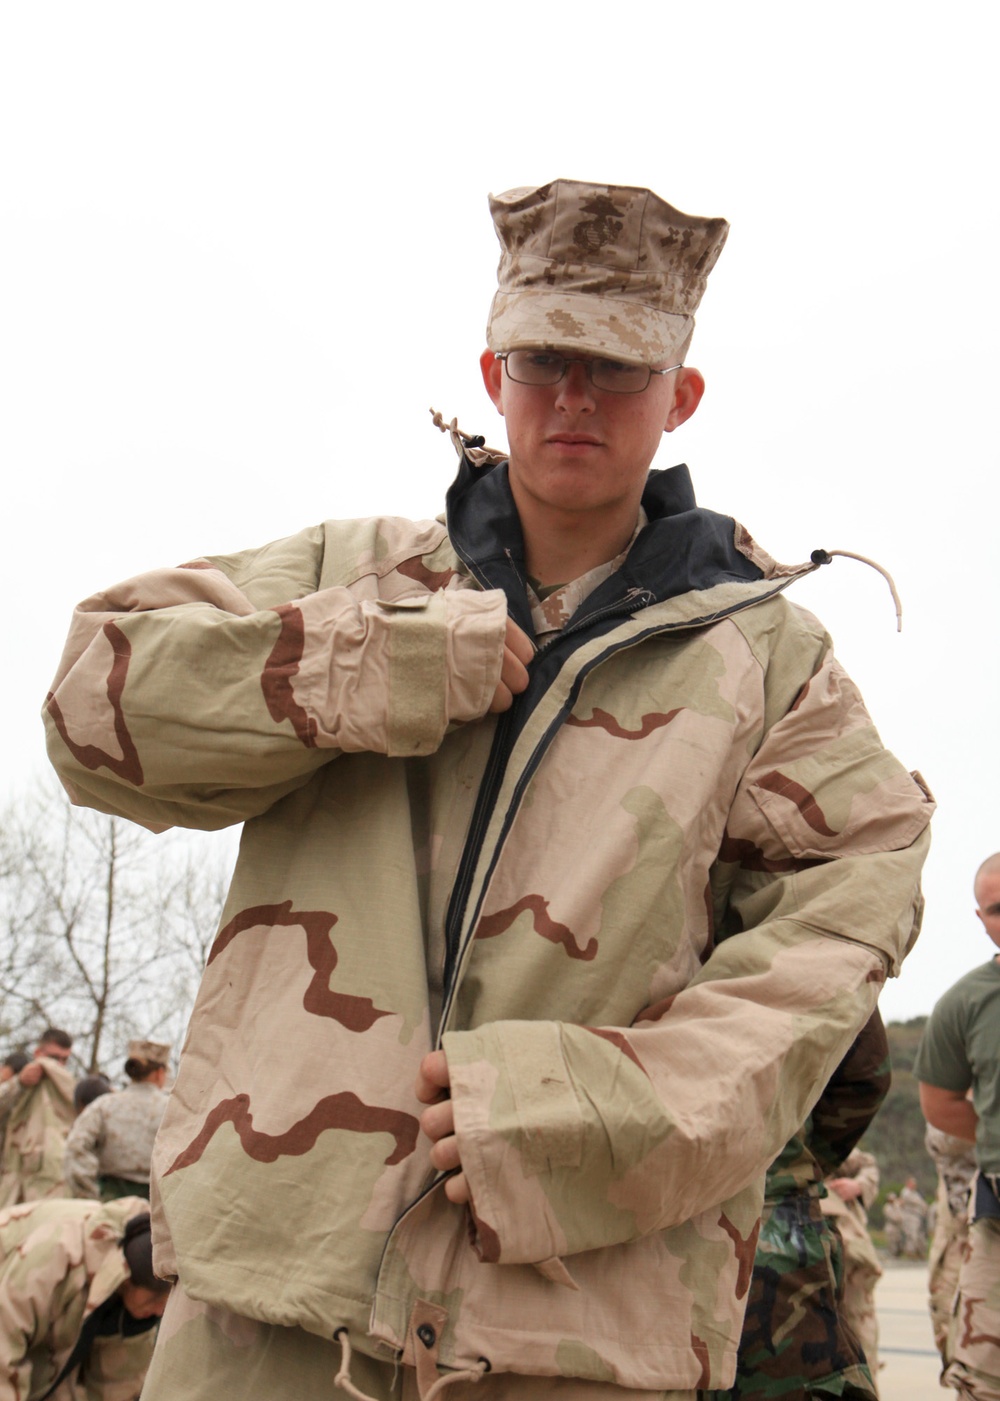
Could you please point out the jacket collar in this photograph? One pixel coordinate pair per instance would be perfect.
(683, 548)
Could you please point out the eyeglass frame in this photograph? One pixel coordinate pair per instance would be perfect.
(588, 364)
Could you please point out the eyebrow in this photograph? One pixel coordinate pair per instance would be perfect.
(992, 909)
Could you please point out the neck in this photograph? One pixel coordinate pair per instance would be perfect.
(561, 545)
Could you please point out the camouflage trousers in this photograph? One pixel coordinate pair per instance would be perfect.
(947, 1248)
(974, 1339)
(862, 1273)
(204, 1353)
(795, 1342)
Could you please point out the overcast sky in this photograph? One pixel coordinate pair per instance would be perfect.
(244, 247)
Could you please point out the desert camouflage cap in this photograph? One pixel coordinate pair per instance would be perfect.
(156, 1052)
(608, 269)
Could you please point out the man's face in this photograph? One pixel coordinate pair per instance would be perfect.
(53, 1052)
(988, 895)
(574, 448)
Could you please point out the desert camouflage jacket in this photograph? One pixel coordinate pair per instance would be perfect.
(37, 1121)
(59, 1261)
(645, 912)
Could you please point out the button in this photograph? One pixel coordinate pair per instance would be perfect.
(427, 1335)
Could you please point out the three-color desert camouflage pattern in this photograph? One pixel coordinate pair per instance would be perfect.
(676, 907)
(973, 1348)
(113, 1137)
(204, 1352)
(37, 1120)
(59, 1260)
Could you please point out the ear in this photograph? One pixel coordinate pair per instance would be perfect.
(492, 369)
(689, 386)
(981, 917)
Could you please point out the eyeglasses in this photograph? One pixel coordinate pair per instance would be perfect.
(548, 367)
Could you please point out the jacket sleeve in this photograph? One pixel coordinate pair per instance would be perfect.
(850, 1101)
(199, 696)
(575, 1138)
(82, 1161)
(10, 1094)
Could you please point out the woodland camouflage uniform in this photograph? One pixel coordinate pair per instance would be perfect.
(37, 1120)
(629, 909)
(796, 1339)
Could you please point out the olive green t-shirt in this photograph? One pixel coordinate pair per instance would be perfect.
(961, 1048)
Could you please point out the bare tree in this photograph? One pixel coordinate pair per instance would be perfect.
(105, 928)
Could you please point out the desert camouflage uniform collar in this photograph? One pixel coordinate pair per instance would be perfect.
(683, 549)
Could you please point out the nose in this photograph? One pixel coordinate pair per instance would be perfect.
(576, 393)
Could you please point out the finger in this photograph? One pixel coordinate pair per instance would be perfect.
(438, 1120)
(518, 642)
(456, 1189)
(444, 1154)
(513, 673)
(433, 1077)
(502, 699)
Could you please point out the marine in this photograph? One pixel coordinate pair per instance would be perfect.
(560, 824)
(36, 1112)
(78, 1300)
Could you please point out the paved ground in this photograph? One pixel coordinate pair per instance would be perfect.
(906, 1344)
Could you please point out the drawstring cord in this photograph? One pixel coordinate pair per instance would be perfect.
(471, 1374)
(343, 1380)
(825, 557)
(468, 440)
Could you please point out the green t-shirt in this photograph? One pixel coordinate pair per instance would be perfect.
(961, 1047)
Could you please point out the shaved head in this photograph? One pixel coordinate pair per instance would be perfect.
(990, 867)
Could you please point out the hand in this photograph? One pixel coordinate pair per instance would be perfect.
(846, 1188)
(518, 650)
(438, 1122)
(31, 1074)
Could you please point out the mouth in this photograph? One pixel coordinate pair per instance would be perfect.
(574, 440)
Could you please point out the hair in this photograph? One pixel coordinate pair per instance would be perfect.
(55, 1036)
(990, 867)
(142, 1069)
(88, 1089)
(138, 1251)
(16, 1061)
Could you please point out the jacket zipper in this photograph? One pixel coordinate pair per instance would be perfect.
(493, 776)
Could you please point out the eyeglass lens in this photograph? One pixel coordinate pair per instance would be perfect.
(548, 367)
